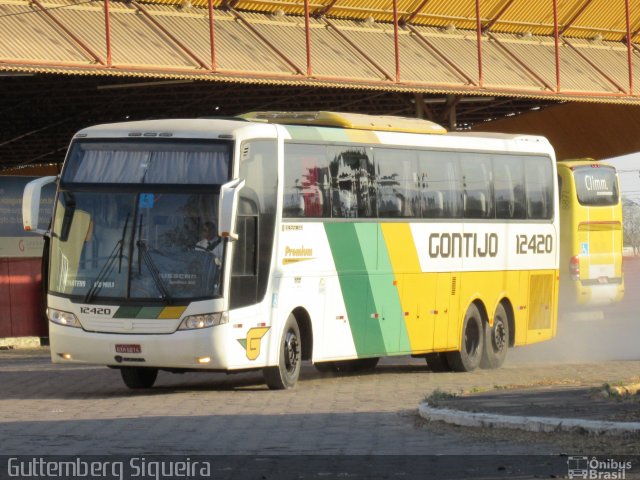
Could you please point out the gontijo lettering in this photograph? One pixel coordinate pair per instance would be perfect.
(465, 245)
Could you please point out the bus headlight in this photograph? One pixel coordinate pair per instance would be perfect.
(63, 318)
(205, 320)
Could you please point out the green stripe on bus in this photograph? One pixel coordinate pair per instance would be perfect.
(387, 299)
(149, 312)
(127, 312)
(356, 287)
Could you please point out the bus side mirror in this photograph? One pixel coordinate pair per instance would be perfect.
(229, 195)
(31, 204)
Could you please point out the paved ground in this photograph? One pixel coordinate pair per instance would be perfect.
(87, 410)
(48, 410)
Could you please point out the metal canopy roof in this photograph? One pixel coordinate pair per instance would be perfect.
(575, 51)
(91, 61)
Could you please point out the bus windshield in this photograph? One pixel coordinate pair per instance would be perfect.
(155, 238)
(596, 186)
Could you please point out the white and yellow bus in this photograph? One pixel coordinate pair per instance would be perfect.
(341, 238)
(591, 234)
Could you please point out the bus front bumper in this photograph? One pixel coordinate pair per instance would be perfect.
(188, 349)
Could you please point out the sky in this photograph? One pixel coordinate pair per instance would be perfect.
(628, 167)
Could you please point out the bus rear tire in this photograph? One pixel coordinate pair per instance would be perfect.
(286, 373)
(470, 354)
(138, 378)
(496, 340)
(437, 362)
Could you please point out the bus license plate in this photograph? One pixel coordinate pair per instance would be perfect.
(603, 280)
(131, 348)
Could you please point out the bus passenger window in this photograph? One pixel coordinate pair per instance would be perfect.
(508, 181)
(438, 182)
(393, 176)
(476, 177)
(306, 181)
(539, 185)
(353, 187)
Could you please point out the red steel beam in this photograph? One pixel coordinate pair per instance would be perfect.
(358, 49)
(487, 26)
(171, 37)
(629, 47)
(212, 37)
(415, 13)
(479, 43)
(396, 40)
(107, 31)
(580, 11)
(441, 55)
(556, 39)
(307, 34)
(520, 62)
(266, 41)
(594, 66)
(72, 35)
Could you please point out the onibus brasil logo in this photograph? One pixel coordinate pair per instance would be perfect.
(585, 467)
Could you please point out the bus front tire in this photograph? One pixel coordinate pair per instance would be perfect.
(285, 374)
(496, 340)
(138, 378)
(470, 354)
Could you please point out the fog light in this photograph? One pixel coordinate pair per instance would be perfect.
(203, 360)
(66, 356)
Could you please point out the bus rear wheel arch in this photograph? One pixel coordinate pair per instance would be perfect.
(468, 357)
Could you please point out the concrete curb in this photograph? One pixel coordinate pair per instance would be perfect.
(530, 424)
(20, 342)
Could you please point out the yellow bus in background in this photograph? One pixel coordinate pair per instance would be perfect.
(590, 234)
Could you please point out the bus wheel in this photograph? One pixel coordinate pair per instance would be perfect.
(468, 358)
(286, 373)
(437, 362)
(496, 340)
(136, 377)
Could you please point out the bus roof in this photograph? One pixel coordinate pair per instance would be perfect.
(357, 121)
(579, 162)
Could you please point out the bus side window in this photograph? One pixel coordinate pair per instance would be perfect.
(508, 173)
(353, 186)
(539, 181)
(438, 181)
(306, 181)
(476, 177)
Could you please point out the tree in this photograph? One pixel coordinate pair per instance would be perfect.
(631, 224)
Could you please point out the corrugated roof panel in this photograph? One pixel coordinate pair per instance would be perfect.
(418, 62)
(522, 16)
(577, 75)
(538, 53)
(29, 35)
(459, 48)
(135, 42)
(609, 57)
(236, 47)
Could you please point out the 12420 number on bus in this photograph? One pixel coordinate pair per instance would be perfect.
(534, 244)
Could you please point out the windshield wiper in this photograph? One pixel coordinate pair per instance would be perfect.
(143, 252)
(108, 266)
